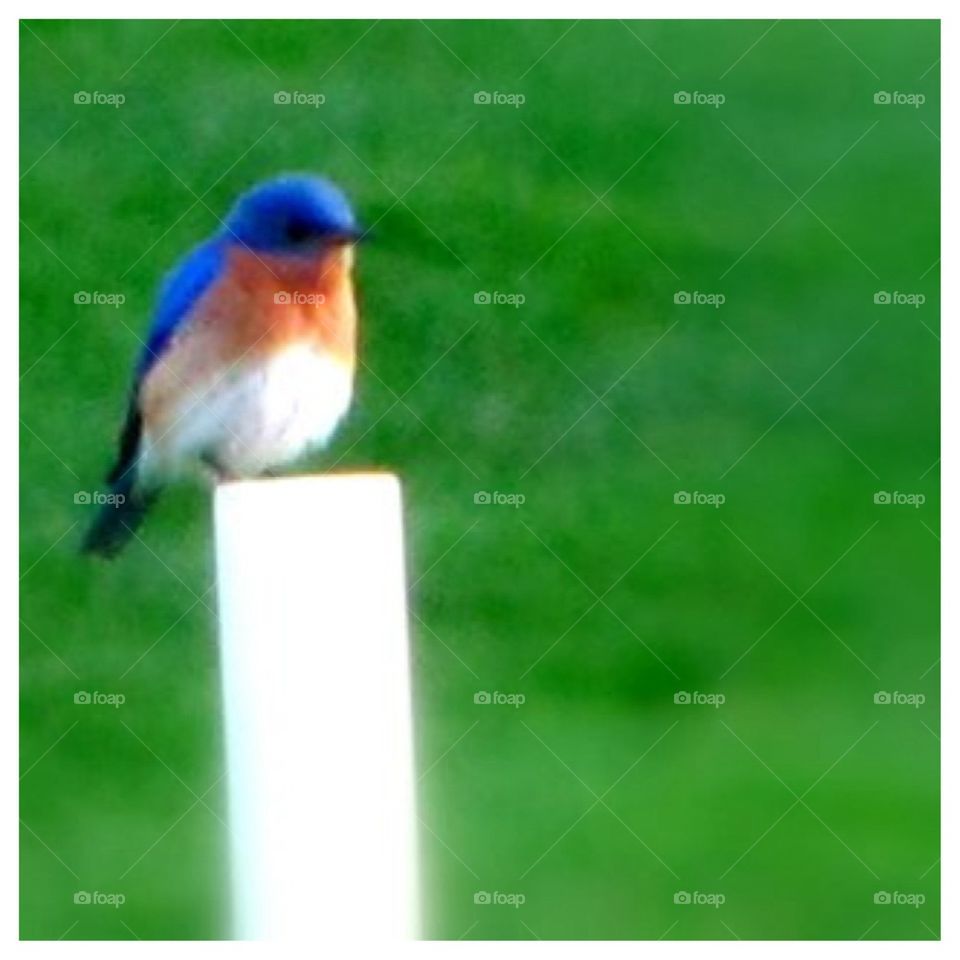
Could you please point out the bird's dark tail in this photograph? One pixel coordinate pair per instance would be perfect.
(118, 520)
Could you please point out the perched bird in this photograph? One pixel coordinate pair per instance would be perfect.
(250, 358)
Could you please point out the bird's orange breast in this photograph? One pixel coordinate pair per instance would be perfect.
(259, 307)
(264, 303)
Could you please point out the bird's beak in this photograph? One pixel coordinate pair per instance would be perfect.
(348, 237)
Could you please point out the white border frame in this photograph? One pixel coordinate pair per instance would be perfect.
(490, 9)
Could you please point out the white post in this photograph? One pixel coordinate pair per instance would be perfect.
(316, 689)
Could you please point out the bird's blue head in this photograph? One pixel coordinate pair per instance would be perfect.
(294, 214)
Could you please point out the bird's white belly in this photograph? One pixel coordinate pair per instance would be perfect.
(263, 413)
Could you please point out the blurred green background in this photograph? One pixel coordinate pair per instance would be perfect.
(600, 800)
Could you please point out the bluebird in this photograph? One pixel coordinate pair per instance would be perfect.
(249, 361)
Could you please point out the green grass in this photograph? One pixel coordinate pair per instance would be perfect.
(598, 799)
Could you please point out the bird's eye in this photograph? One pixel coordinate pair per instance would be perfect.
(298, 231)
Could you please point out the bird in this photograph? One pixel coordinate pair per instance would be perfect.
(250, 358)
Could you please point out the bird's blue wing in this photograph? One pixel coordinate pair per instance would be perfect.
(181, 289)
